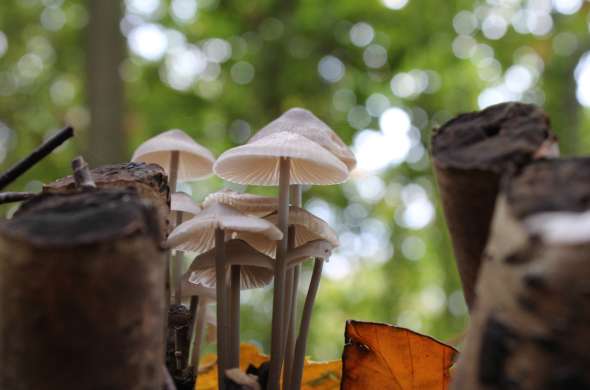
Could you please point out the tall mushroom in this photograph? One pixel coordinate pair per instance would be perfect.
(305, 231)
(208, 230)
(182, 158)
(305, 123)
(281, 158)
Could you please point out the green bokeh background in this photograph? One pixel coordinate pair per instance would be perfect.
(444, 57)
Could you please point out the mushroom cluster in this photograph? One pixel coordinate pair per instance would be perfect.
(245, 241)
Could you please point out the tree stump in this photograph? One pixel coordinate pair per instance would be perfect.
(81, 281)
(149, 180)
(529, 329)
(470, 153)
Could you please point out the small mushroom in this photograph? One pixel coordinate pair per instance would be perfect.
(250, 269)
(176, 152)
(280, 158)
(307, 227)
(200, 297)
(246, 203)
(208, 230)
(182, 207)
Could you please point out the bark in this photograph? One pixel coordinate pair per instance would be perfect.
(529, 329)
(81, 282)
(470, 153)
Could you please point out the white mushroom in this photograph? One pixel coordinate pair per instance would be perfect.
(208, 230)
(246, 203)
(305, 123)
(281, 158)
(182, 158)
(182, 207)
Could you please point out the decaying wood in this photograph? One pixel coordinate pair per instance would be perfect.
(470, 153)
(81, 293)
(149, 180)
(529, 329)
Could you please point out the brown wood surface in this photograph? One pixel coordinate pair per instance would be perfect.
(529, 329)
(81, 293)
(470, 154)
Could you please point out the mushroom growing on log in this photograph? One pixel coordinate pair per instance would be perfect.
(470, 153)
(81, 281)
(529, 329)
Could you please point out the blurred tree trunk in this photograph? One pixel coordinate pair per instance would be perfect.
(106, 141)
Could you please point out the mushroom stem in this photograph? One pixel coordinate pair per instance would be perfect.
(176, 262)
(289, 312)
(276, 352)
(173, 174)
(235, 316)
(293, 277)
(198, 334)
(222, 323)
(301, 344)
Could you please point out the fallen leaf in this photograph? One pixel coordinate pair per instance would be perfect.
(316, 375)
(385, 357)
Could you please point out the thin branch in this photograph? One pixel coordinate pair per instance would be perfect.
(11, 197)
(37, 155)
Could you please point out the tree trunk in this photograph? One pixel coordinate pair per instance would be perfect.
(529, 329)
(470, 153)
(81, 283)
(107, 141)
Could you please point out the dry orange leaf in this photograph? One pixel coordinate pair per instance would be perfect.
(316, 376)
(385, 357)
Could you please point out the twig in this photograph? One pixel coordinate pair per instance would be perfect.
(82, 174)
(11, 197)
(37, 155)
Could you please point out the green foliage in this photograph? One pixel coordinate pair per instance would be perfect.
(409, 278)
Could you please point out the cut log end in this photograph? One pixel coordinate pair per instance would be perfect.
(492, 139)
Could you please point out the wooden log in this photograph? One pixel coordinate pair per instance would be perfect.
(529, 329)
(149, 180)
(470, 153)
(81, 302)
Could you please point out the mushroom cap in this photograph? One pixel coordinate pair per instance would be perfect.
(183, 203)
(256, 269)
(195, 161)
(305, 123)
(307, 227)
(313, 249)
(189, 288)
(246, 203)
(258, 162)
(198, 233)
